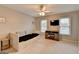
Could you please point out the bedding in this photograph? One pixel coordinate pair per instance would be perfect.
(27, 37)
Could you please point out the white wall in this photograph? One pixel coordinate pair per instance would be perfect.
(74, 27)
(15, 21)
(78, 33)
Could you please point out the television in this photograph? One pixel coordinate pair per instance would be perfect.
(54, 22)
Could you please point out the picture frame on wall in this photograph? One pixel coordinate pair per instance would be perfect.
(2, 20)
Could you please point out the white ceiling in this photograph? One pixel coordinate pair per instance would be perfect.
(31, 9)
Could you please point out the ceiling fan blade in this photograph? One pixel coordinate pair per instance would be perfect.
(38, 10)
(47, 11)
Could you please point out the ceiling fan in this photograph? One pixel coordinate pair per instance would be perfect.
(42, 11)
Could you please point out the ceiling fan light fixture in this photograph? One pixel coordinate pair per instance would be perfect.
(42, 13)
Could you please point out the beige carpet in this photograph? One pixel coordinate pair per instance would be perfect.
(40, 45)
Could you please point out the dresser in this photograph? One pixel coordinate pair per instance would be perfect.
(53, 35)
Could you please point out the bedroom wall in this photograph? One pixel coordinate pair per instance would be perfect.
(15, 21)
(74, 19)
(78, 34)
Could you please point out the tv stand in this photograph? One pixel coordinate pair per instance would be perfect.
(54, 35)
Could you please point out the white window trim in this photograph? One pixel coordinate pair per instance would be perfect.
(40, 24)
(69, 26)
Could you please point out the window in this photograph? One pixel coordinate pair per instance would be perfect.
(65, 26)
(43, 25)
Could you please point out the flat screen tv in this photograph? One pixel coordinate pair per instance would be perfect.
(54, 22)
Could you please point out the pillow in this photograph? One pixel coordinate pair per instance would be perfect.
(25, 32)
(21, 34)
